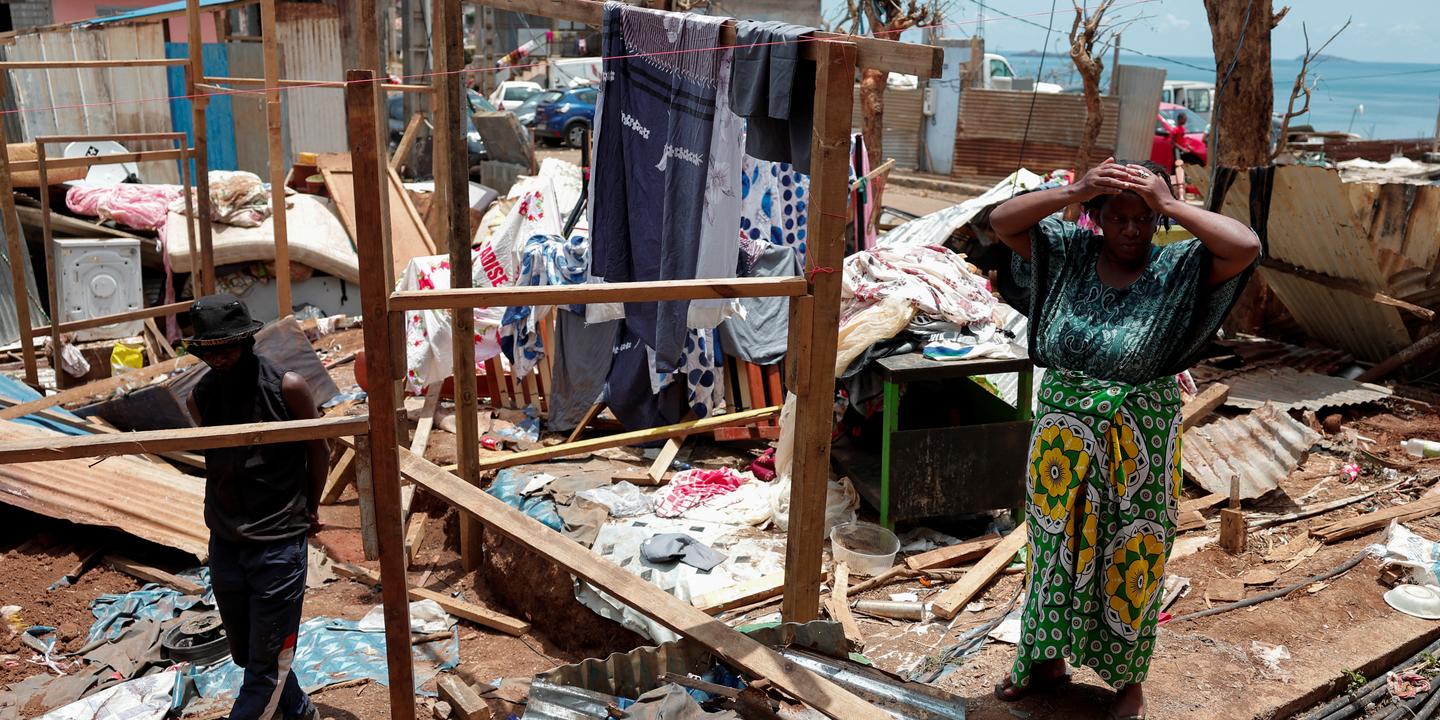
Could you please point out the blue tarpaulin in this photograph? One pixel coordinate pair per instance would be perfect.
(12, 389)
(170, 7)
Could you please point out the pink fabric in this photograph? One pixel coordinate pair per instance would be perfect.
(692, 487)
(142, 207)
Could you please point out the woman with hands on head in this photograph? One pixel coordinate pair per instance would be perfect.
(1113, 318)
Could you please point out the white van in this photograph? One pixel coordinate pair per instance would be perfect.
(1197, 95)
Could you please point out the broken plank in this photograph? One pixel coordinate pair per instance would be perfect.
(957, 596)
(740, 651)
(339, 478)
(1189, 520)
(426, 423)
(839, 606)
(590, 416)
(1377, 520)
(365, 489)
(463, 700)
(641, 478)
(459, 608)
(1203, 503)
(629, 438)
(154, 575)
(746, 593)
(665, 458)
(179, 439)
(953, 555)
(414, 538)
(1205, 403)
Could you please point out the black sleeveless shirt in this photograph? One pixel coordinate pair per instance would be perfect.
(253, 493)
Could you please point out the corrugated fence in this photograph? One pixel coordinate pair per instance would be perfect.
(993, 127)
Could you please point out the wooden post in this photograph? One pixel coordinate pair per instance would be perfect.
(361, 104)
(1114, 68)
(198, 102)
(269, 37)
(52, 272)
(452, 196)
(1232, 521)
(15, 247)
(813, 338)
(975, 74)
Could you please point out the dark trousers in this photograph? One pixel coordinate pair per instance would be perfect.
(260, 588)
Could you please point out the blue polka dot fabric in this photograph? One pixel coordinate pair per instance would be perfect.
(774, 201)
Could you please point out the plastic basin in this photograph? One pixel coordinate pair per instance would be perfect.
(866, 548)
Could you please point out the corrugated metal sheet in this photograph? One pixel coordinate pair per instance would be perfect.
(1261, 353)
(1139, 90)
(993, 127)
(310, 34)
(148, 500)
(9, 323)
(902, 124)
(1289, 389)
(1260, 448)
(1314, 225)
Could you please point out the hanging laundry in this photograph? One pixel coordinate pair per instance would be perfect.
(774, 90)
(701, 369)
(862, 198)
(429, 355)
(774, 207)
(720, 233)
(652, 158)
(581, 362)
(544, 260)
(761, 333)
(630, 386)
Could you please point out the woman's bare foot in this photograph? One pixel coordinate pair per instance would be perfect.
(1043, 677)
(1129, 703)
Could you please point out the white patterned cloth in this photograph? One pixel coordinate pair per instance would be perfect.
(429, 355)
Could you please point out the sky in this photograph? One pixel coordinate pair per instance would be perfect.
(1381, 31)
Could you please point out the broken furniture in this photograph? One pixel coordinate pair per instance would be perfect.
(928, 467)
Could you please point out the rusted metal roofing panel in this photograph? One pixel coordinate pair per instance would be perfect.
(993, 127)
(901, 129)
(1260, 448)
(1289, 389)
(1368, 330)
(148, 500)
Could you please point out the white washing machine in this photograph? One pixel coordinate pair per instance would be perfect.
(97, 278)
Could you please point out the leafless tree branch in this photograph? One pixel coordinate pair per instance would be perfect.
(1301, 88)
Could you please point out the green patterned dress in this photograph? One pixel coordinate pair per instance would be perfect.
(1104, 477)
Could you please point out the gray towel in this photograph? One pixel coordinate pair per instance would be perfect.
(670, 547)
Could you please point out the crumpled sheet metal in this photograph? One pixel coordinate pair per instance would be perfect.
(1288, 389)
(1261, 448)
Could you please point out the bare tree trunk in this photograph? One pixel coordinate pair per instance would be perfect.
(1245, 97)
(1085, 34)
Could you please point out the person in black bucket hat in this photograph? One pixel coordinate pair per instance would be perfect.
(260, 505)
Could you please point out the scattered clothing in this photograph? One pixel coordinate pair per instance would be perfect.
(693, 487)
(629, 386)
(774, 208)
(951, 350)
(774, 90)
(720, 231)
(702, 374)
(429, 354)
(656, 118)
(679, 547)
(545, 260)
(141, 207)
(237, 198)
(760, 332)
(581, 362)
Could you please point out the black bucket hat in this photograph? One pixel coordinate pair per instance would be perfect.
(220, 319)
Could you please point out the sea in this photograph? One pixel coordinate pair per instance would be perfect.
(1377, 100)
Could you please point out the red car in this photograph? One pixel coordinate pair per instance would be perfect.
(1179, 133)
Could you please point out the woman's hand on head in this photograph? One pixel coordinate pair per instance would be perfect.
(1152, 187)
(1107, 178)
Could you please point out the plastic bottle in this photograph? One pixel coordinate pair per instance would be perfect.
(1415, 447)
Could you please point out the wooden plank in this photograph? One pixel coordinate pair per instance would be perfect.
(953, 555)
(162, 345)
(664, 458)
(85, 162)
(99, 387)
(365, 490)
(47, 243)
(407, 140)
(1203, 404)
(408, 235)
(629, 438)
(62, 63)
(421, 439)
(907, 58)
(1377, 520)
(363, 113)
(199, 438)
(275, 152)
(839, 606)
(585, 421)
(459, 608)
(154, 575)
(340, 476)
(746, 593)
(650, 291)
(15, 249)
(464, 702)
(414, 537)
(738, 650)
(957, 596)
(143, 313)
(98, 426)
(813, 336)
(1203, 503)
(1349, 286)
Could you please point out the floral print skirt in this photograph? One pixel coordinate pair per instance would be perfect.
(1102, 492)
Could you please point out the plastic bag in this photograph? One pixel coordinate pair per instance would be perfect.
(426, 616)
(1405, 548)
(73, 362)
(125, 357)
(623, 499)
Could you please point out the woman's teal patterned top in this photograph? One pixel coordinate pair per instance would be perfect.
(1154, 327)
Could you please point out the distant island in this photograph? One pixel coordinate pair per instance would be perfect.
(1330, 58)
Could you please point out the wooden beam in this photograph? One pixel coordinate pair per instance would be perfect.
(953, 555)
(957, 596)
(83, 64)
(629, 438)
(1349, 286)
(814, 328)
(261, 82)
(163, 349)
(407, 140)
(382, 333)
(158, 441)
(153, 575)
(340, 476)
(97, 426)
(908, 58)
(15, 251)
(463, 700)
(365, 493)
(99, 387)
(85, 162)
(414, 537)
(119, 137)
(103, 320)
(201, 157)
(738, 650)
(664, 459)
(421, 439)
(590, 416)
(650, 291)
(1377, 520)
(1394, 362)
(1205, 403)
(47, 243)
(276, 152)
(839, 606)
(459, 608)
(746, 593)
